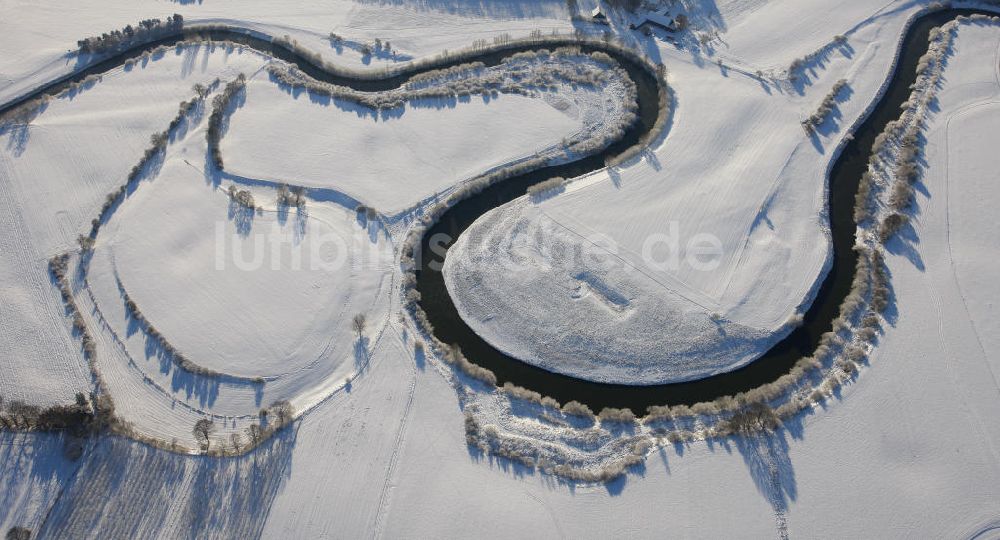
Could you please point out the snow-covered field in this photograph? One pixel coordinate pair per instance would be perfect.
(394, 160)
(56, 173)
(909, 448)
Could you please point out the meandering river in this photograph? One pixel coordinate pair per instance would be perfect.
(449, 327)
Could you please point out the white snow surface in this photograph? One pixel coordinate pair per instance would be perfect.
(55, 174)
(910, 448)
(257, 300)
(392, 160)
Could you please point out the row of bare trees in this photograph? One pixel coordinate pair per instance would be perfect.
(220, 106)
(273, 418)
(116, 40)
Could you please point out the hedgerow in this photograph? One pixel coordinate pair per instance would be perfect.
(825, 108)
(169, 350)
(143, 31)
(158, 144)
(519, 76)
(546, 186)
(220, 106)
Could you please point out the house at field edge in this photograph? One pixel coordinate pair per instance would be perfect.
(661, 20)
(598, 15)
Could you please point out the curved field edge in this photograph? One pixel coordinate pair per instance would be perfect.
(23, 109)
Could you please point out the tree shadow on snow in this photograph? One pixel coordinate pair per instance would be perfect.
(767, 461)
(203, 387)
(19, 132)
(129, 490)
(242, 217)
(361, 354)
(766, 457)
(31, 459)
(817, 62)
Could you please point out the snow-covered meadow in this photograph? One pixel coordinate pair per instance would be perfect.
(392, 160)
(907, 448)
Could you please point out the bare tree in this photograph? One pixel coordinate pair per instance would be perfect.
(754, 418)
(86, 242)
(255, 434)
(283, 412)
(237, 441)
(359, 324)
(578, 409)
(203, 430)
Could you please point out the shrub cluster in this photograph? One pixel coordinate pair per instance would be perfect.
(798, 65)
(242, 197)
(753, 418)
(59, 268)
(891, 224)
(880, 282)
(611, 414)
(489, 440)
(663, 106)
(157, 337)
(176, 356)
(520, 76)
(862, 199)
(500, 42)
(576, 408)
(752, 410)
(825, 108)
(519, 392)
(291, 197)
(145, 30)
(635, 453)
(546, 186)
(26, 111)
(906, 132)
(454, 356)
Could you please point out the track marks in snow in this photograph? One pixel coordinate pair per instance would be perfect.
(592, 286)
(950, 232)
(386, 493)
